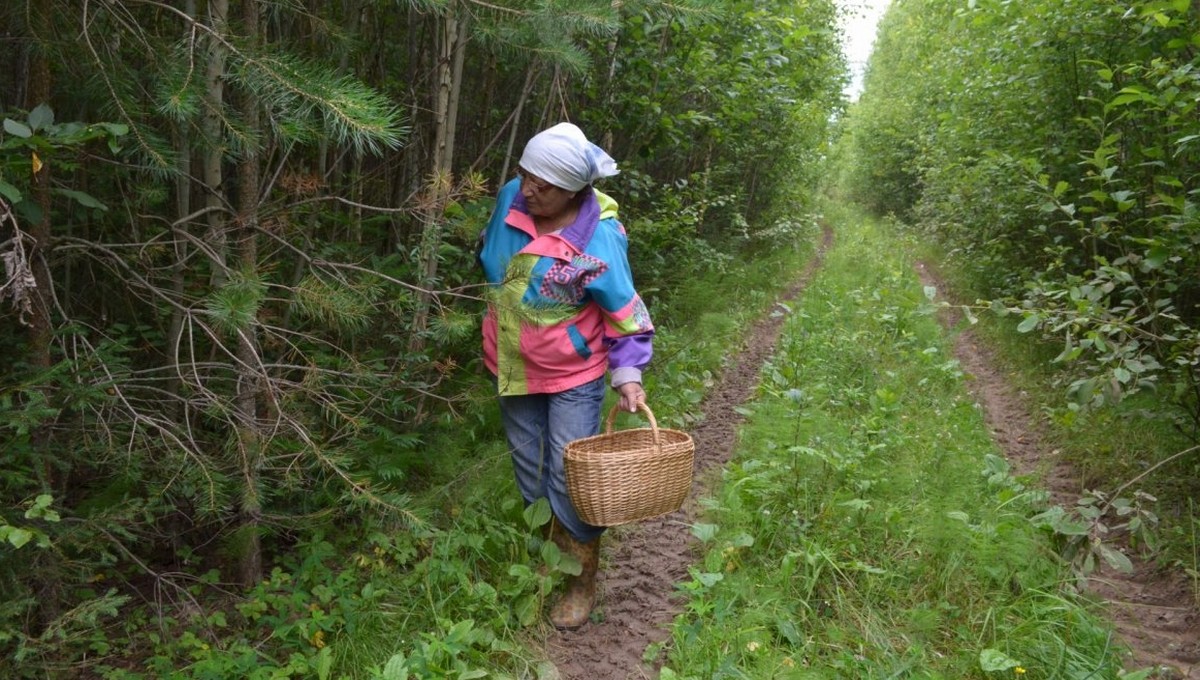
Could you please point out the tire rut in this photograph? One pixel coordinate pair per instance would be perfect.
(1149, 608)
(642, 562)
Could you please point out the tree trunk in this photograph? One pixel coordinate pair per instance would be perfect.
(460, 55)
(214, 133)
(609, 84)
(250, 383)
(183, 208)
(516, 123)
(41, 328)
(356, 196)
(443, 137)
(451, 54)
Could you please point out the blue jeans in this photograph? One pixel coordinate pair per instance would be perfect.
(538, 427)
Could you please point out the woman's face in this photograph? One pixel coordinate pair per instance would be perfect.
(543, 198)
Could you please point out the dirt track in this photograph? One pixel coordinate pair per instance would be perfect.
(1152, 610)
(641, 563)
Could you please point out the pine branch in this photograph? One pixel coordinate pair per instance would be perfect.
(297, 91)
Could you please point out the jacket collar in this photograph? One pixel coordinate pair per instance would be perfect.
(578, 233)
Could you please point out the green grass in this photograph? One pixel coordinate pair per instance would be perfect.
(867, 527)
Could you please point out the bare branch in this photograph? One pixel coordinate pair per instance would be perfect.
(19, 282)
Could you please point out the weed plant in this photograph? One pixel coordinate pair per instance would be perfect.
(868, 527)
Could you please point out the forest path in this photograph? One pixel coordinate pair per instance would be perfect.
(642, 562)
(1153, 611)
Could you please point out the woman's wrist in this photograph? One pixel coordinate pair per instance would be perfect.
(626, 374)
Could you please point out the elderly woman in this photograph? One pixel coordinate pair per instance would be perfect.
(563, 311)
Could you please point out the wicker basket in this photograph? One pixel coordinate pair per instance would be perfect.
(620, 477)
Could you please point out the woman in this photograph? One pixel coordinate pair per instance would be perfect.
(563, 311)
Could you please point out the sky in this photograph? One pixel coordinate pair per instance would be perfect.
(858, 21)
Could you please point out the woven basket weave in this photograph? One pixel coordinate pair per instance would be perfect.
(621, 477)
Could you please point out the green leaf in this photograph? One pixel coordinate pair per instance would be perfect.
(1082, 391)
(1029, 323)
(86, 200)
(1156, 257)
(537, 514)
(21, 130)
(787, 630)
(705, 532)
(930, 293)
(551, 554)
(396, 668)
(115, 129)
(1115, 559)
(992, 660)
(460, 630)
(1060, 522)
(570, 565)
(526, 609)
(9, 192)
(859, 504)
(742, 540)
(41, 117)
(324, 663)
(19, 537)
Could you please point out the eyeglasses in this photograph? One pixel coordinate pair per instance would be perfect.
(536, 185)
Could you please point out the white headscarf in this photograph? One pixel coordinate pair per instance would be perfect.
(564, 157)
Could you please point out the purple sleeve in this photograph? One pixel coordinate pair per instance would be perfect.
(628, 355)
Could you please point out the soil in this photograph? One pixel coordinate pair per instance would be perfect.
(1153, 610)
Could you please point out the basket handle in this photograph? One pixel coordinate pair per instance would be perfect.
(612, 414)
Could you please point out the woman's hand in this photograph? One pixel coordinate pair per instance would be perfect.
(632, 395)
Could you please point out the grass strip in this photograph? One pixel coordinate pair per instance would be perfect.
(868, 527)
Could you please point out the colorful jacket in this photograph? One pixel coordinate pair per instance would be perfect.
(562, 308)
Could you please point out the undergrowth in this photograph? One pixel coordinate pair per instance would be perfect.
(868, 526)
(455, 587)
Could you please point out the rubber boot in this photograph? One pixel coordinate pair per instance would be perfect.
(573, 610)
